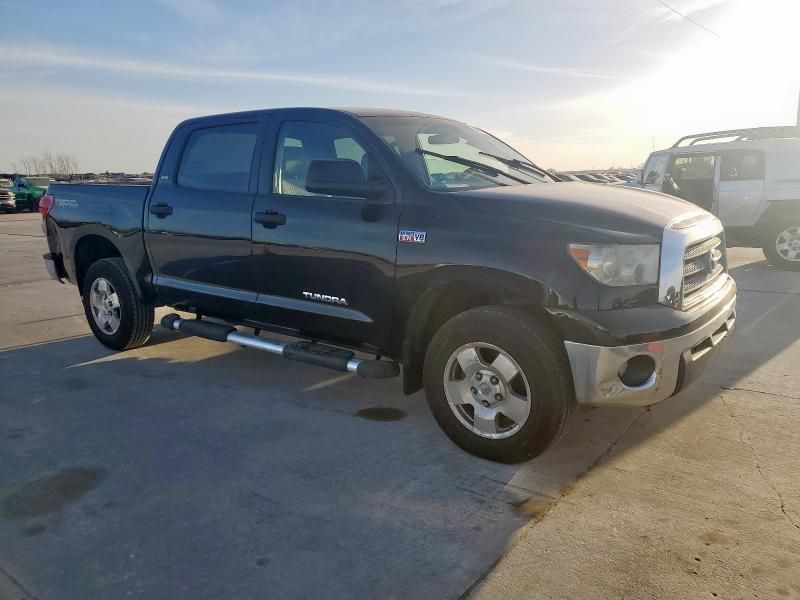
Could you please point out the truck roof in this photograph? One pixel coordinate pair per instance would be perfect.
(355, 111)
(765, 144)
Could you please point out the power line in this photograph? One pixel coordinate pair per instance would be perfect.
(688, 18)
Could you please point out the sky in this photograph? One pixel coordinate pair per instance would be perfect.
(572, 84)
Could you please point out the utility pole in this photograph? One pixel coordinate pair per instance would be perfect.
(798, 109)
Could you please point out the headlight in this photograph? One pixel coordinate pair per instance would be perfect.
(618, 265)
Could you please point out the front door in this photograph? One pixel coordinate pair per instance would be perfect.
(694, 177)
(323, 265)
(198, 221)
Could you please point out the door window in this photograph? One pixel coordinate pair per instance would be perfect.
(687, 168)
(741, 165)
(219, 158)
(300, 142)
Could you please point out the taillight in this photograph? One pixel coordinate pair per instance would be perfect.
(46, 203)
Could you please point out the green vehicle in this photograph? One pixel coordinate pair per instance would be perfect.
(28, 191)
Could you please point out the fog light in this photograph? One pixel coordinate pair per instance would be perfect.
(637, 371)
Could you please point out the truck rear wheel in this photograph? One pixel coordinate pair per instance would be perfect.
(782, 246)
(499, 383)
(119, 319)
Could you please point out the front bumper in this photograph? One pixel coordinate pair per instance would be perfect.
(678, 361)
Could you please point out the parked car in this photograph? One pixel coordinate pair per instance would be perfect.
(567, 177)
(593, 178)
(749, 178)
(28, 191)
(383, 238)
(7, 200)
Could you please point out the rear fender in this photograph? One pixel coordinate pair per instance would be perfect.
(127, 245)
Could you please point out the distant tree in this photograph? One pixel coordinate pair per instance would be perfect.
(59, 165)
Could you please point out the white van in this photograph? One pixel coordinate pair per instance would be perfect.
(749, 178)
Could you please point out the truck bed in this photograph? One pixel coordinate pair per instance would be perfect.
(109, 211)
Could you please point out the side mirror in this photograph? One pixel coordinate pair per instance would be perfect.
(652, 177)
(343, 177)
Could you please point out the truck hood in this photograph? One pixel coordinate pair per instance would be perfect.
(620, 212)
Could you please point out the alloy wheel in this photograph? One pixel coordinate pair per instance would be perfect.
(487, 390)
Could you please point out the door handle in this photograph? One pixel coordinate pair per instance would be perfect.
(160, 210)
(270, 219)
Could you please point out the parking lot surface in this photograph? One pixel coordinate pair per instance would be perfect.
(193, 469)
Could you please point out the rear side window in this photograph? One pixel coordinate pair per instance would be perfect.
(742, 165)
(219, 158)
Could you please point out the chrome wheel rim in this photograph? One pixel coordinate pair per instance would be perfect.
(787, 244)
(487, 390)
(104, 303)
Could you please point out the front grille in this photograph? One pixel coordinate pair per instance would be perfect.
(703, 264)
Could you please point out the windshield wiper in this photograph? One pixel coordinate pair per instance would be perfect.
(518, 164)
(479, 166)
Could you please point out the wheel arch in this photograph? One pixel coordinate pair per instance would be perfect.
(460, 290)
(777, 212)
(88, 250)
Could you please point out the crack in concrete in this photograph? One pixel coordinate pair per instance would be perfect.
(741, 389)
(763, 475)
(486, 572)
(18, 584)
(613, 444)
(792, 293)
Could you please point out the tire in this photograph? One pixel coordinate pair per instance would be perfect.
(782, 246)
(132, 320)
(536, 352)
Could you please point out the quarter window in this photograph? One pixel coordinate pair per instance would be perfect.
(219, 158)
(300, 142)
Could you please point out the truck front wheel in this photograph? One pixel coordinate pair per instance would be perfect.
(119, 319)
(782, 246)
(499, 383)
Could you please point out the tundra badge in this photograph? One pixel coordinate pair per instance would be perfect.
(325, 298)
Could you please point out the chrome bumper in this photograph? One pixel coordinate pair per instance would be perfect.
(595, 369)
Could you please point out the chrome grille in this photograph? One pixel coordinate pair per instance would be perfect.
(703, 264)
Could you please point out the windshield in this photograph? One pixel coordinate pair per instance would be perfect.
(451, 156)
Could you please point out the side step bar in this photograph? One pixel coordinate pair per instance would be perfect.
(312, 353)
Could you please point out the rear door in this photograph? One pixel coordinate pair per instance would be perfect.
(197, 223)
(741, 187)
(325, 267)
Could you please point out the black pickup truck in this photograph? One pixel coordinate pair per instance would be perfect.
(381, 238)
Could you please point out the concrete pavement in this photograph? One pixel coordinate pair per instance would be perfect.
(191, 469)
